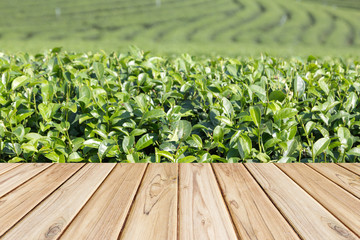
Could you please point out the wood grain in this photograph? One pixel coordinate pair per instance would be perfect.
(327, 193)
(254, 215)
(310, 219)
(353, 167)
(17, 176)
(202, 210)
(4, 167)
(52, 216)
(343, 177)
(154, 212)
(104, 214)
(22, 200)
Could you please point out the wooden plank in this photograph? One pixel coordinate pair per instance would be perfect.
(104, 214)
(4, 167)
(343, 177)
(52, 216)
(19, 202)
(309, 218)
(254, 215)
(353, 167)
(154, 212)
(202, 210)
(17, 176)
(335, 199)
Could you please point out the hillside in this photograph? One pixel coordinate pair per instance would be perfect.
(232, 27)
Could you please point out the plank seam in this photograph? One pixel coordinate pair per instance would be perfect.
(224, 201)
(332, 180)
(330, 212)
(133, 200)
(273, 202)
(347, 169)
(67, 226)
(178, 203)
(17, 164)
(44, 198)
(51, 164)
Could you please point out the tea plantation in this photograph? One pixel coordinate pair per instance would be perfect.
(210, 27)
(138, 107)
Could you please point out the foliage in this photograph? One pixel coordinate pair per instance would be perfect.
(65, 107)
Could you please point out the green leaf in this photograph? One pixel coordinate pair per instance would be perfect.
(255, 114)
(286, 113)
(309, 127)
(35, 136)
(225, 120)
(29, 147)
(321, 145)
(218, 134)
(187, 159)
(145, 141)
(166, 155)
(299, 86)
(128, 143)
(16, 160)
(198, 141)
(345, 137)
(47, 92)
(354, 151)
(19, 132)
(351, 102)
(271, 142)
(45, 111)
(105, 147)
(85, 95)
(155, 113)
(291, 147)
(263, 157)
(259, 91)
(244, 146)
(324, 86)
(277, 96)
(181, 151)
(181, 130)
(227, 106)
(75, 157)
(92, 143)
(23, 114)
(138, 132)
(53, 156)
(19, 82)
(99, 70)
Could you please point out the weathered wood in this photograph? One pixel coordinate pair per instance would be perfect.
(343, 177)
(32, 193)
(104, 214)
(52, 216)
(353, 167)
(154, 212)
(4, 167)
(327, 193)
(202, 210)
(310, 219)
(17, 176)
(254, 215)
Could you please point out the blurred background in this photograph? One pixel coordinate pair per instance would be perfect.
(210, 27)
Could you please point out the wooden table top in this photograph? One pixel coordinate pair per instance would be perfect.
(179, 201)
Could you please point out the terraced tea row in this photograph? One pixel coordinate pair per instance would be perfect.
(200, 23)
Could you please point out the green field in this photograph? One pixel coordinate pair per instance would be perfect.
(210, 27)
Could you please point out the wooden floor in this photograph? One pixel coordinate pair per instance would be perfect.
(179, 201)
